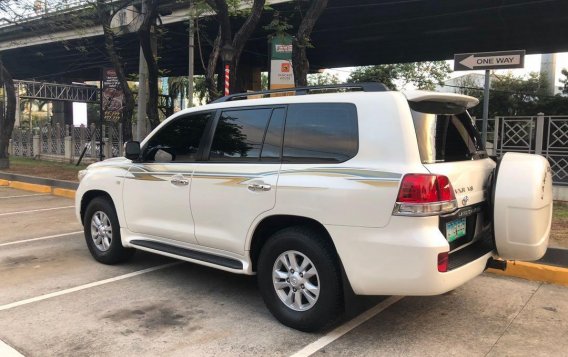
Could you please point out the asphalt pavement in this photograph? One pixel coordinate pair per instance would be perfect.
(56, 300)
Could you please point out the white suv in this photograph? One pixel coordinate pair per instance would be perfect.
(374, 191)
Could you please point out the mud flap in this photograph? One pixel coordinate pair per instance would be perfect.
(522, 206)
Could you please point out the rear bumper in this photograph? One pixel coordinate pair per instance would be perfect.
(401, 258)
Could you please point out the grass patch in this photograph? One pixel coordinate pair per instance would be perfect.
(43, 168)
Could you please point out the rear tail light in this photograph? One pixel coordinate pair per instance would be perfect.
(425, 195)
(443, 262)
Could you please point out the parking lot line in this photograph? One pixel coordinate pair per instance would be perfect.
(39, 238)
(30, 195)
(346, 327)
(7, 351)
(35, 210)
(85, 286)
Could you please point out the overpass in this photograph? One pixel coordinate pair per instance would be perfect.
(349, 33)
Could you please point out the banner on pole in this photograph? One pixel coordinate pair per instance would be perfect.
(281, 72)
(113, 96)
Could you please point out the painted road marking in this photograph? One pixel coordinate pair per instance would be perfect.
(7, 351)
(39, 238)
(30, 195)
(35, 210)
(85, 286)
(346, 327)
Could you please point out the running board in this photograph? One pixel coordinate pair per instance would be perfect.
(189, 253)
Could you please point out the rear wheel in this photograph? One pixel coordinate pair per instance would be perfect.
(299, 279)
(102, 233)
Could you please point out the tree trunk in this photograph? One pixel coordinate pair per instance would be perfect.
(229, 48)
(7, 115)
(300, 61)
(212, 89)
(145, 35)
(128, 107)
(241, 38)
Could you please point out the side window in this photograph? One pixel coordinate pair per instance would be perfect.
(321, 133)
(178, 141)
(272, 147)
(239, 135)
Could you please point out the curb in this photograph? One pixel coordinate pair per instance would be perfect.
(38, 184)
(535, 272)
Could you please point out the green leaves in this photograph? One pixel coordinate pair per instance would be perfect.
(423, 75)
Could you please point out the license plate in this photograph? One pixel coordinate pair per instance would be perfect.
(455, 229)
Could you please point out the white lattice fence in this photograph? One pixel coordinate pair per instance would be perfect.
(66, 143)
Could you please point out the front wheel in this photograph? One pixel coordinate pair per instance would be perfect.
(299, 279)
(102, 233)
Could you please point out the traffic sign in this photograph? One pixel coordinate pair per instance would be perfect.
(489, 60)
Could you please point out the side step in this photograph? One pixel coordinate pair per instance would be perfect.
(189, 253)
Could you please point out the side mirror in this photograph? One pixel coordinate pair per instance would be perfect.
(132, 150)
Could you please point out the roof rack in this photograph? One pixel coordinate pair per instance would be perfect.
(365, 87)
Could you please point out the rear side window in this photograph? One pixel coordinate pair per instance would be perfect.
(320, 133)
(445, 133)
(239, 135)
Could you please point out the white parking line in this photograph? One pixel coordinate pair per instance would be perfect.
(7, 351)
(31, 195)
(85, 286)
(346, 327)
(39, 238)
(34, 210)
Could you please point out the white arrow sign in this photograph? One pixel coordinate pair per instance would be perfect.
(471, 62)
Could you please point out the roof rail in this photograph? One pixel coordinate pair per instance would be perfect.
(365, 87)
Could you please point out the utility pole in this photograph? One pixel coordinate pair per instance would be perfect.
(486, 106)
(142, 89)
(191, 55)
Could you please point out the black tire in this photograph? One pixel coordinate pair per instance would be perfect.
(115, 253)
(329, 304)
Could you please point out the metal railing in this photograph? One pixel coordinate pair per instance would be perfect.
(545, 135)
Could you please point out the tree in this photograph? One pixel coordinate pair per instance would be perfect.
(179, 86)
(145, 35)
(322, 79)
(11, 12)
(227, 46)
(105, 12)
(423, 75)
(300, 63)
(7, 114)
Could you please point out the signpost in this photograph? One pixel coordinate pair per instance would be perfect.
(487, 61)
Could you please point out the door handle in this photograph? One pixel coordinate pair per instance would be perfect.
(258, 187)
(179, 180)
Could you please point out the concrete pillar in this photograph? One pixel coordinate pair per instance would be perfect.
(68, 143)
(539, 133)
(10, 148)
(107, 148)
(548, 71)
(36, 149)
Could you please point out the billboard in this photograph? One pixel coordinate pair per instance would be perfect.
(113, 96)
(281, 72)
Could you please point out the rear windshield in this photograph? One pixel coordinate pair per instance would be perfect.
(445, 133)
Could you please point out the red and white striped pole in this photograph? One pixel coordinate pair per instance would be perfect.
(227, 78)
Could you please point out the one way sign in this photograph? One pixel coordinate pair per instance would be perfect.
(489, 60)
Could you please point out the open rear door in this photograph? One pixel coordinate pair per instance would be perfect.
(522, 206)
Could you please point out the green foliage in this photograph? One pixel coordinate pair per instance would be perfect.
(321, 79)
(278, 26)
(513, 96)
(423, 75)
